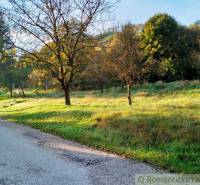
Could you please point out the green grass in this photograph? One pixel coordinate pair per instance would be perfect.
(161, 128)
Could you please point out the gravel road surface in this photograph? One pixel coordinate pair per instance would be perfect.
(30, 157)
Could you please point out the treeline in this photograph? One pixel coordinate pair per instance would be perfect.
(159, 50)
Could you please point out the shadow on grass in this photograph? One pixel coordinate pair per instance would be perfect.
(153, 129)
(12, 102)
(52, 115)
(195, 106)
(18, 110)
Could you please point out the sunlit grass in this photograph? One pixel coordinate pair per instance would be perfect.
(162, 127)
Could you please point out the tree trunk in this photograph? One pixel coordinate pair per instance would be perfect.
(11, 92)
(182, 75)
(129, 95)
(66, 84)
(23, 93)
(46, 86)
(67, 96)
(102, 88)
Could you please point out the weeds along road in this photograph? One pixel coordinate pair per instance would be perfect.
(30, 157)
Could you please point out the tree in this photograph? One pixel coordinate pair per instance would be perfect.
(95, 73)
(125, 57)
(194, 50)
(59, 26)
(187, 46)
(8, 74)
(22, 71)
(5, 43)
(197, 22)
(159, 43)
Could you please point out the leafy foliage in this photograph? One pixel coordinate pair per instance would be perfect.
(158, 40)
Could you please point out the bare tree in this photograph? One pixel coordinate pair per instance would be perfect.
(125, 57)
(59, 29)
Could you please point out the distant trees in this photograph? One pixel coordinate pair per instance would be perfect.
(161, 50)
(14, 74)
(22, 70)
(8, 74)
(168, 47)
(96, 72)
(187, 45)
(63, 53)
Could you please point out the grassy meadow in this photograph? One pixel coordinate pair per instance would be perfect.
(161, 128)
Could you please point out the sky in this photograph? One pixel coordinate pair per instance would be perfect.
(186, 12)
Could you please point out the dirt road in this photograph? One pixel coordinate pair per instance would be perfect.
(30, 157)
